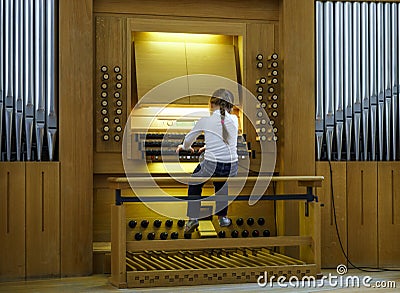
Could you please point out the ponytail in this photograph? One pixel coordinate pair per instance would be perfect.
(224, 99)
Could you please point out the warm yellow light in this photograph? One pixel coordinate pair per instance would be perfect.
(182, 37)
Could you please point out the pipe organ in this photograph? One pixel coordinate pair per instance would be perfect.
(28, 99)
(357, 81)
(152, 84)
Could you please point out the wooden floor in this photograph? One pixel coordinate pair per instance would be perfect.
(99, 283)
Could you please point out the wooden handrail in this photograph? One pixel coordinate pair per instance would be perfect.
(123, 182)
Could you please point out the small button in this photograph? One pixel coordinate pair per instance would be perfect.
(262, 80)
(106, 76)
(118, 85)
(260, 97)
(116, 120)
(274, 105)
(104, 68)
(271, 89)
(273, 56)
(263, 105)
(259, 114)
(104, 94)
(271, 122)
(263, 138)
(274, 97)
(104, 103)
(117, 138)
(118, 111)
(273, 81)
(105, 119)
(274, 73)
(117, 95)
(274, 64)
(274, 114)
(119, 103)
(106, 137)
(117, 69)
(118, 128)
(260, 64)
(260, 89)
(104, 111)
(104, 86)
(106, 128)
(119, 76)
(259, 57)
(263, 121)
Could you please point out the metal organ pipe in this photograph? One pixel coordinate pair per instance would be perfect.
(357, 56)
(348, 76)
(365, 76)
(319, 113)
(339, 77)
(380, 75)
(2, 66)
(39, 76)
(395, 79)
(329, 76)
(388, 79)
(373, 99)
(27, 78)
(51, 109)
(18, 72)
(356, 78)
(9, 72)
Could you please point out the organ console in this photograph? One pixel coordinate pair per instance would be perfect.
(147, 99)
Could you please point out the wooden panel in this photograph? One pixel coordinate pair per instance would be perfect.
(331, 252)
(157, 62)
(389, 213)
(118, 244)
(260, 39)
(362, 215)
(42, 219)
(12, 221)
(110, 52)
(141, 24)
(102, 200)
(76, 134)
(311, 226)
(213, 59)
(298, 94)
(253, 9)
(106, 163)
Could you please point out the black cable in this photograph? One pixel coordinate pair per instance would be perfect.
(364, 269)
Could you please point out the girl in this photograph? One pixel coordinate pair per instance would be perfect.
(220, 156)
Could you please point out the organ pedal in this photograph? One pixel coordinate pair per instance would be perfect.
(206, 229)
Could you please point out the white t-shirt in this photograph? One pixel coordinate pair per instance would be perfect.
(217, 150)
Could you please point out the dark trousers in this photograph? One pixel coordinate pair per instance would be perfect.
(211, 169)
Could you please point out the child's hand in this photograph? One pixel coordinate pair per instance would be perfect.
(202, 149)
(180, 148)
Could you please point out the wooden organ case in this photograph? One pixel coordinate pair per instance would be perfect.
(135, 53)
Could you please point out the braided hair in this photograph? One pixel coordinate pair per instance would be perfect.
(224, 99)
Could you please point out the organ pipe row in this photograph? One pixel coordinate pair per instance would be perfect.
(357, 80)
(27, 79)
